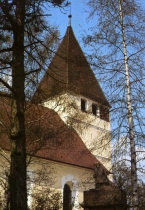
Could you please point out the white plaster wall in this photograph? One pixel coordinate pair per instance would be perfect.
(79, 179)
(94, 131)
(56, 175)
(73, 183)
(4, 172)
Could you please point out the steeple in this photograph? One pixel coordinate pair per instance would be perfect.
(70, 71)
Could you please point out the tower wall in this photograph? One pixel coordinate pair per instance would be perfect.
(94, 131)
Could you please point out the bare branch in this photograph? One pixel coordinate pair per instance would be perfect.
(6, 85)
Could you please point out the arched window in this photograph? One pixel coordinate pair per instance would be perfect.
(67, 198)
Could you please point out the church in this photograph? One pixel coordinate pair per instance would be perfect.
(67, 127)
(70, 89)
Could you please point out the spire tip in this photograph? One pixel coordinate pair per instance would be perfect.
(70, 16)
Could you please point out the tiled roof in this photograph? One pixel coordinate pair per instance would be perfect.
(69, 70)
(47, 136)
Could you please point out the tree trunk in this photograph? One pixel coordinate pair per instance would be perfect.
(130, 117)
(18, 192)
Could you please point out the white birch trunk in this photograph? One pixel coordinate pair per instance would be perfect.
(130, 117)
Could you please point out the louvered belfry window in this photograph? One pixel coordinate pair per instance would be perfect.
(104, 113)
(94, 109)
(83, 105)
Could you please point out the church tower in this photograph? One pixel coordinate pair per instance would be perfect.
(70, 88)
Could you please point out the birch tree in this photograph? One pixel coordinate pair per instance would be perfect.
(118, 43)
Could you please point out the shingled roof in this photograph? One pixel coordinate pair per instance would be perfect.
(70, 71)
(48, 137)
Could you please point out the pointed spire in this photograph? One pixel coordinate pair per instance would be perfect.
(70, 71)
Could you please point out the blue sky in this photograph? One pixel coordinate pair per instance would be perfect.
(79, 20)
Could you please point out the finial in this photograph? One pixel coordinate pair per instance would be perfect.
(70, 16)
